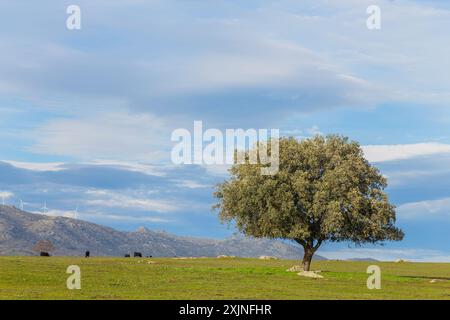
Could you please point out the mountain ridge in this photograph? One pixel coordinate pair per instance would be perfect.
(20, 230)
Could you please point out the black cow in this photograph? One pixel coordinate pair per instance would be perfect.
(127, 256)
(45, 254)
(138, 255)
(87, 254)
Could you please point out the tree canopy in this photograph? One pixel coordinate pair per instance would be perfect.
(325, 190)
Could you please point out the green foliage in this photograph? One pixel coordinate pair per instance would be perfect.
(325, 190)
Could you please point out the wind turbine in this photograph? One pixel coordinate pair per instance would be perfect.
(76, 212)
(44, 208)
(21, 204)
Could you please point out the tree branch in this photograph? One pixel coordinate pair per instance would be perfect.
(301, 242)
(319, 242)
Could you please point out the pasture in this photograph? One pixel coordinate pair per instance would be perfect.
(212, 278)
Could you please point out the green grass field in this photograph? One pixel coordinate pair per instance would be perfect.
(212, 278)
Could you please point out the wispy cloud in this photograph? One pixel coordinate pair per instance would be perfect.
(192, 184)
(114, 135)
(426, 210)
(146, 168)
(110, 199)
(37, 166)
(382, 153)
(5, 195)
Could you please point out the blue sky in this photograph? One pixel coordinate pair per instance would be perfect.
(86, 115)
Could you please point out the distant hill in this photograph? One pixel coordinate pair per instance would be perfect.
(363, 259)
(20, 230)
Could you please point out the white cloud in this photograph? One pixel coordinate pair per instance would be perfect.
(191, 184)
(37, 166)
(145, 168)
(117, 135)
(302, 134)
(427, 210)
(58, 213)
(111, 199)
(248, 60)
(382, 153)
(314, 130)
(149, 169)
(5, 195)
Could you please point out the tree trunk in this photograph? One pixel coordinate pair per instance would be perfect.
(307, 257)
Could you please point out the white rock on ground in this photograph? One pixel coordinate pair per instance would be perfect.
(310, 274)
(434, 280)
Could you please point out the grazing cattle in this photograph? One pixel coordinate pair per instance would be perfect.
(45, 254)
(87, 254)
(138, 255)
(127, 256)
(149, 256)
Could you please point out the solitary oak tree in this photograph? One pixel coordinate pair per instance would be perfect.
(325, 190)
